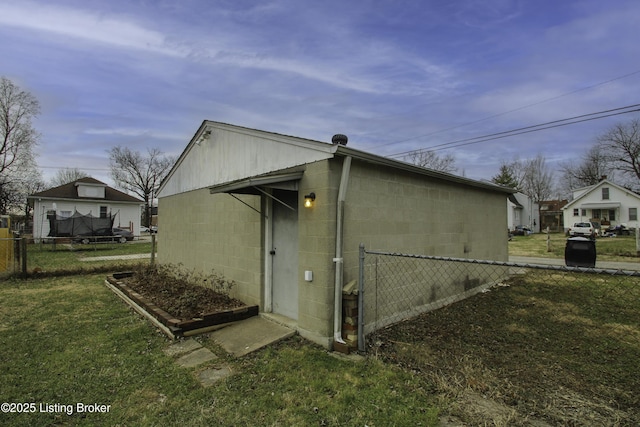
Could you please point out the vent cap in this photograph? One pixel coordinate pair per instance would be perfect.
(339, 139)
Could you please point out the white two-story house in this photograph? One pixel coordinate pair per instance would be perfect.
(606, 203)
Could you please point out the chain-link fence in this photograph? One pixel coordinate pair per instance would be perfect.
(394, 286)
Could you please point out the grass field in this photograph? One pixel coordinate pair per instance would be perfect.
(543, 348)
(69, 340)
(47, 258)
(621, 248)
(540, 350)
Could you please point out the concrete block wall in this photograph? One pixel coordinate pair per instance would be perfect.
(317, 231)
(398, 211)
(206, 232)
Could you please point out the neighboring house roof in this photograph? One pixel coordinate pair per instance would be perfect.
(512, 199)
(587, 191)
(552, 205)
(322, 150)
(70, 192)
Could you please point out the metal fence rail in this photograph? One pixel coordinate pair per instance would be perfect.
(24, 255)
(395, 286)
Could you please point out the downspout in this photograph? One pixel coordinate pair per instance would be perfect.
(339, 260)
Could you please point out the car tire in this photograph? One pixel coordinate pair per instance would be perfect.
(122, 239)
(85, 241)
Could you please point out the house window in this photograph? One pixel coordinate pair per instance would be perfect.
(633, 214)
(596, 214)
(612, 214)
(605, 193)
(65, 214)
(103, 211)
(576, 212)
(584, 212)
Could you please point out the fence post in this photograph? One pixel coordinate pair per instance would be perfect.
(23, 255)
(153, 249)
(361, 299)
(548, 240)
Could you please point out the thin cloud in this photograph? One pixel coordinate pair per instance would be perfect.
(83, 25)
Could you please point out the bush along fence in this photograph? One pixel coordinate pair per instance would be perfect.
(393, 287)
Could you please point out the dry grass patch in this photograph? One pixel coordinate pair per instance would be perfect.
(539, 352)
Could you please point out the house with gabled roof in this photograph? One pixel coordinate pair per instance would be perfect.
(606, 203)
(87, 196)
(522, 211)
(283, 217)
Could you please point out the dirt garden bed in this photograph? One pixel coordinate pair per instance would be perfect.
(179, 305)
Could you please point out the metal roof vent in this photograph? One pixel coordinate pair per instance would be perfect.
(339, 139)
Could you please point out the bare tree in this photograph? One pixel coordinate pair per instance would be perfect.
(17, 140)
(139, 174)
(22, 183)
(537, 180)
(620, 145)
(32, 182)
(593, 166)
(429, 159)
(67, 175)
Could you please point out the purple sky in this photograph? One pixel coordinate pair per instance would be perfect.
(392, 75)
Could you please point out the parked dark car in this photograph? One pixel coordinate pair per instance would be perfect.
(119, 235)
(521, 230)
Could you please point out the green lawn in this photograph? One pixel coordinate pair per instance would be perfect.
(621, 248)
(69, 340)
(64, 257)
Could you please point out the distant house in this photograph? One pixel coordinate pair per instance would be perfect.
(605, 202)
(85, 196)
(552, 215)
(283, 217)
(521, 210)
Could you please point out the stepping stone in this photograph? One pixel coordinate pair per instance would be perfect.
(209, 377)
(182, 347)
(196, 357)
(243, 337)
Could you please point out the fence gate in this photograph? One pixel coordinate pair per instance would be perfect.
(6, 244)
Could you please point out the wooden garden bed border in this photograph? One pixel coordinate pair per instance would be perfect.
(168, 323)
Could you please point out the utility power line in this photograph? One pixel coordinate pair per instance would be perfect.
(69, 167)
(523, 130)
(512, 110)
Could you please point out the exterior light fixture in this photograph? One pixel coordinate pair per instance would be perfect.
(309, 199)
(205, 136)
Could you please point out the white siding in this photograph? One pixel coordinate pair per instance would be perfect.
(231, 153)
(593, 197)
(125, 213)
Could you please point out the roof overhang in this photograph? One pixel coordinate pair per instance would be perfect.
(515, 201)
(608, 205)
(286, 181)
(342, 150)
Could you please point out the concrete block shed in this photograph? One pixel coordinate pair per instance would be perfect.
(234, 202)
